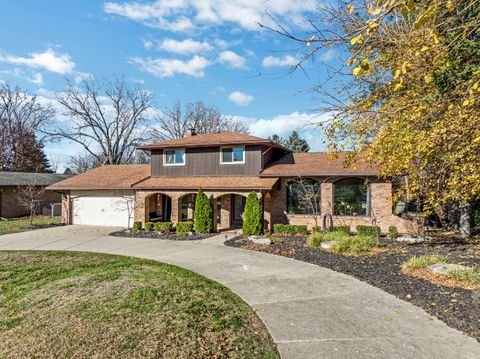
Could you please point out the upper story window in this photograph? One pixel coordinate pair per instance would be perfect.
(351, 197)
(232, 155)
(174, 157)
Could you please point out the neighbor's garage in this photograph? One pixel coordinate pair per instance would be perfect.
(102, 208)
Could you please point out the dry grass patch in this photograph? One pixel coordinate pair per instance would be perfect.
(100, 306)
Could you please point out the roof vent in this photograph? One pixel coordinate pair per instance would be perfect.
(191, 132)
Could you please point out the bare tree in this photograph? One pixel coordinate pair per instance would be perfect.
(106, 118)
(175, 122)
(22, 119)
(29, 197)
(126, 203)
(308, 192)
(83, 162)
(54, 162)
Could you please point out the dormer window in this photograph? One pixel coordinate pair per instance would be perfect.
(232, 155)
(174, 157)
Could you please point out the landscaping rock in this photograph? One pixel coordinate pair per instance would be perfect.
(443, 268)
(410, 239)
(327, 244)
(259, 240)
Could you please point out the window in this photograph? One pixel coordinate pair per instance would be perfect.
(351, 197)
(232, 155)
(303, 197)
(174, 157)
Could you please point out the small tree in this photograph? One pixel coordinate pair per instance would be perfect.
(308, 192)
(253, 216)
(126, 203)
(203, 216)
(29, 197)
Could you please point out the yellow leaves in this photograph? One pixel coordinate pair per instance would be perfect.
(424, 48)
(450, 5)
(352, 61)
(428, 78)
(310, 40)
(397, 73)
(356, 71)
(373, 11)
(357, 40)
(450, 106)
(398, 86)
(365, 65)
(350, 8)
(466, 103)
(406, 67)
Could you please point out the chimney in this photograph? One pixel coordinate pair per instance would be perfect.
(191, 132)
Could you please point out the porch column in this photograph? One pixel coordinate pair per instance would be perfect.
(225, 212)
(327, 198)
(175, 215)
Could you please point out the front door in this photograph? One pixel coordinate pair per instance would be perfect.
(238, 206)
(166, 208)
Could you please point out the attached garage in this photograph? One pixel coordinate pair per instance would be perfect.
(102, 208)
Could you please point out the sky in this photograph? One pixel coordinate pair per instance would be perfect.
(180, 50)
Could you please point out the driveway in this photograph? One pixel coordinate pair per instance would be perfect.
(310, 311)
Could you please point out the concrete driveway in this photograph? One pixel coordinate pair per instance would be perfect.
(310, 311)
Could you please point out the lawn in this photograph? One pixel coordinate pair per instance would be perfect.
(23, 224)
(83, 305)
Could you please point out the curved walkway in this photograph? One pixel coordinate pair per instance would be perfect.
(310, 311)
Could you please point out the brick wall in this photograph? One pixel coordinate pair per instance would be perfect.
(11, 209)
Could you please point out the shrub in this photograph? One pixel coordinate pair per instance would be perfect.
(137, 226)
(290, 229)
(355, 244)
(148, 226)
(203, 216)
(425, 261)
(392, 232)
(342, 229)
(368, 230)
(183, 228)
(253, 216)
(315, 239)
(470, 276)
(163, 227)
(335, 235)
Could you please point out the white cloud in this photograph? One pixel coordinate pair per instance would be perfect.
(187, 46)
(272, 61)
(328, 55)
(48, 60)
(148, 44)
(162, 67)
(185, 15)
(240, 98)
(83, 76)
(231, 59)
(37, 79)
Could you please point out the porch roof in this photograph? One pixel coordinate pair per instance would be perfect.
(206, 183)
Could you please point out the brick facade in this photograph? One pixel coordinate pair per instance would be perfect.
(10, 207)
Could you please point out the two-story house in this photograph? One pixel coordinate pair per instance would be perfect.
(227, 166)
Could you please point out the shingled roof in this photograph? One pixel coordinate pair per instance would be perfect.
(245, 183)
(318, 164)
(28, 178)
(213, 139)
(105, 177)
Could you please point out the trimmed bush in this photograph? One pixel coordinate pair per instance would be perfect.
(203, 216)
(137, 226)
(148, 226)
(368, 230)
(355, 244)
(290, 229)
(335, 235)
(163, 227)
(315, 239)
(392, 232)
(183, 228)
(342, 229)
(253, 216)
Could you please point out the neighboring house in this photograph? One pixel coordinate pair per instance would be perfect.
(10, 183)
(227, 166)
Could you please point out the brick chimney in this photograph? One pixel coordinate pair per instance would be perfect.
(191, 132)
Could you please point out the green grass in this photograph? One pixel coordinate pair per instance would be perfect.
(357, 244)
(23, 224)
(425, 261)
(83, 305)
(469, 276)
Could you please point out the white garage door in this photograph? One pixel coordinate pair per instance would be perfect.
(103, 208)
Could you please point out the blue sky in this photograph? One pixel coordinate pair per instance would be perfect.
(185, 50)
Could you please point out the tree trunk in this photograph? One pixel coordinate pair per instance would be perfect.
(465, 214)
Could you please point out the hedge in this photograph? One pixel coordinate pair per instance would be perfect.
(368, 230)
(203, 215)
(392, 232)
(184, 227)
(148, 226)
(290, 229)
(163, 227)
(253, 216)
(137, 226)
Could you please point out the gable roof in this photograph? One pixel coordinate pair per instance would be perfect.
(318, 164)
(30, 178)
(105, 177)
(213, 139)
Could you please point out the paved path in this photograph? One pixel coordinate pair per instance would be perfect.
(311, 312)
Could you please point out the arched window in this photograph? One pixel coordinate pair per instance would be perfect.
(351, 197)
(303, 197)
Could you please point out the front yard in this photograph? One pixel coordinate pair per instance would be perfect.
(83, 305)
(455, 298)
(23, 224)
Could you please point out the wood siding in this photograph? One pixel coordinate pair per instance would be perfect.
(205, 161)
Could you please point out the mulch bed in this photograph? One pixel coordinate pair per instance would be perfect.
(159, 235)
(459, 308)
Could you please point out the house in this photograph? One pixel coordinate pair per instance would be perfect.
(227, 166)
(9, 186)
